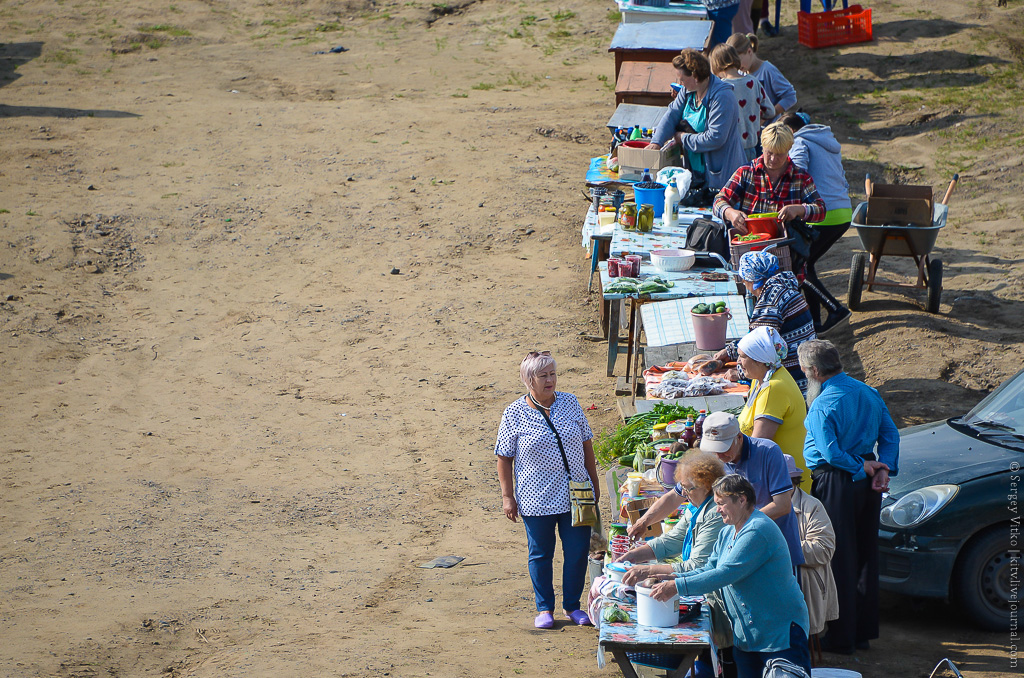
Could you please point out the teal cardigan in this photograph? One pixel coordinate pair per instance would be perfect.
(755, 573)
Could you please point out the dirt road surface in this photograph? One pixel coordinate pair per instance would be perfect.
(261, 309)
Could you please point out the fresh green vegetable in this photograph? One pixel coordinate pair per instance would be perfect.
(652, 287)
(634, 436)
(615, 614)
(621, 286)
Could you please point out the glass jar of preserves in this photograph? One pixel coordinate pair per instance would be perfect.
(645, 218)
(627, 216)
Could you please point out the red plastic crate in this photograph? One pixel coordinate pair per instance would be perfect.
(838, 27)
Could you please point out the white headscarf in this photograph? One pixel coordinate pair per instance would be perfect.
(765, 345)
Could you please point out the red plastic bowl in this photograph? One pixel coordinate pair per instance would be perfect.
(760, 236)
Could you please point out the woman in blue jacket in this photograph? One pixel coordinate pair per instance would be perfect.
(751, 565)
(714, 149)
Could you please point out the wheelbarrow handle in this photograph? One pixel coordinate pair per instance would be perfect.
(949, 191)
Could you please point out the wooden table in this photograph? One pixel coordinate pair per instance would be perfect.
(686, 640)
(657, 42)
(691, 10)
(645, 82)
(636, 115)
(688, 284)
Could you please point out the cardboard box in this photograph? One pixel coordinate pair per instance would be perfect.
(633, 160)
(903, 205)
(635, 508)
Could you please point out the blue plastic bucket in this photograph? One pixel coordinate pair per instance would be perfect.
(655, 197)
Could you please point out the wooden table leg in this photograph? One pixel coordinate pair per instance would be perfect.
(624, 664)
(637, 370)
(613, 335)
(686, 663)
(629, 339)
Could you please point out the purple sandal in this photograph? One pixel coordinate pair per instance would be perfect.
(544, 620)
(580, 617)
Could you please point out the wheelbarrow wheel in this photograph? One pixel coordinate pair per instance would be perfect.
(934, 285)
(856, 281)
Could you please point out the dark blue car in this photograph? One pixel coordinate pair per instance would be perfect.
(951, 523)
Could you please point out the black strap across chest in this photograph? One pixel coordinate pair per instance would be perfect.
(554, 430)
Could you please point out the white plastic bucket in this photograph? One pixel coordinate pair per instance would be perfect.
(616, 571)
(834, 673)
(651, 612)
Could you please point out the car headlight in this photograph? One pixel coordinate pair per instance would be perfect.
(917, 506)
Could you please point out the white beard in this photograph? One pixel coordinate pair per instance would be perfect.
(813, 391)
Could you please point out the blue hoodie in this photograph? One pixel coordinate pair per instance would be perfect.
(816, 151)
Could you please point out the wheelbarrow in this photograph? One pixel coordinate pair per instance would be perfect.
(898, 240)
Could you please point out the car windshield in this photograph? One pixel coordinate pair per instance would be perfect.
(1001, 414)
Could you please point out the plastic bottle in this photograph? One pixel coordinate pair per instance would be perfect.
(670, 218)
(647, 177)
(636, 133)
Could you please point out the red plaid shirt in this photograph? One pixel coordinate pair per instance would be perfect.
(751, 192)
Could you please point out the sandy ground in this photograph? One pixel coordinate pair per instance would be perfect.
(261, 309)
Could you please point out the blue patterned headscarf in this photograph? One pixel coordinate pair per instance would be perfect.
(756, 267)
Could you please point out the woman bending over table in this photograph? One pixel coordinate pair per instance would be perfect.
(771, 183)
(713, 150)
(751, 565)
(690, 543)
(775, 407)
(778, 304)
(534, 485)
(693, 537)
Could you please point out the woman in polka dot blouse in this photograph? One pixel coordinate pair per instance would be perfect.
(534, 483)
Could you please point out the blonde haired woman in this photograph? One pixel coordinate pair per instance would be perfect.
(770, 183)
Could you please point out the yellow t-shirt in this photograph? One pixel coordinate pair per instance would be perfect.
(782, 402)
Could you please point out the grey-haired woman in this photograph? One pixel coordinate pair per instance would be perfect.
(534, 484)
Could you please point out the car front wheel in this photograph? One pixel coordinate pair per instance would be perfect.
(983, 579)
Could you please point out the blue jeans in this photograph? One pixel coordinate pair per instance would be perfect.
(540, 536)
(722, 19)
(751, 664)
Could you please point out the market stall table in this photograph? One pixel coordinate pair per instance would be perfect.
(688, 284)
(636, 115)
(660, 238)
(659, 41)
(645, 82)
(670, 322)
(687, 10)
(686, 640)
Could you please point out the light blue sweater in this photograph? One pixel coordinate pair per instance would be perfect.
(755, 573)
(816, 151)
(779, 90)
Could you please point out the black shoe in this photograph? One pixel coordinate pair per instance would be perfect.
(834, 320)
(768, 29)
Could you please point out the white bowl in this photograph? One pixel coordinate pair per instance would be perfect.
(673, 260)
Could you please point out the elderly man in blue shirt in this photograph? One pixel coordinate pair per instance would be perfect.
(846, 420)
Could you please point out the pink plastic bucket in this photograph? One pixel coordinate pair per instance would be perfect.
(710, 329)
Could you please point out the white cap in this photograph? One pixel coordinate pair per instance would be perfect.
(719, 432)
